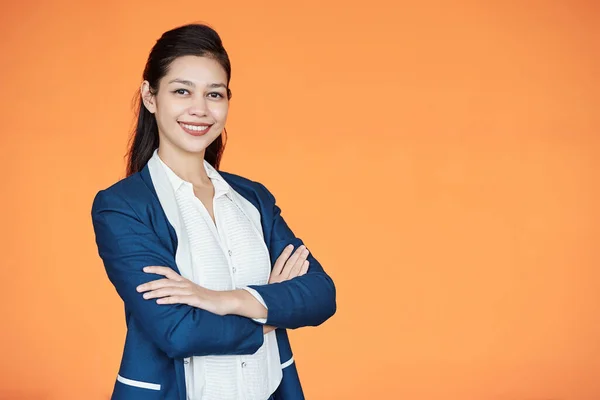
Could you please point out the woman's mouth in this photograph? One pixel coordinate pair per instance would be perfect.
(195, 129)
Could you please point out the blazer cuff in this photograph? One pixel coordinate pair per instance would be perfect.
(258, 297)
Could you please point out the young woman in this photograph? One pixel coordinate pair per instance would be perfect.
(210, 273)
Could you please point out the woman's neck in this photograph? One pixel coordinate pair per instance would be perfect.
(188, 166)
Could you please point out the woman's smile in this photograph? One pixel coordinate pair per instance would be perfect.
(195, 129)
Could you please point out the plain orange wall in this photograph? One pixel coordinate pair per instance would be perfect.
(440, 159)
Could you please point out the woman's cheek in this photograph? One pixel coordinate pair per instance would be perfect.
(220, 112)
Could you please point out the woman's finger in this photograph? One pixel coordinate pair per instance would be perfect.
(165, 271)
(158, 284)
(170, 300)
(280, 263)
(299, 254)
(295, 269)
(166, 292)
(304, 268)
(293, 258)
(190, 300)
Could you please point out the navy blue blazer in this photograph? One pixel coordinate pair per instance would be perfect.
(132, 231)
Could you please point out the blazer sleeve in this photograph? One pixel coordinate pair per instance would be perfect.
(307, 300)
(126, 245)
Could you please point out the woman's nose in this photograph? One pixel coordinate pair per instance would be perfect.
(198, 107)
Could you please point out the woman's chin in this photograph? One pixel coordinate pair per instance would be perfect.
(196, 145)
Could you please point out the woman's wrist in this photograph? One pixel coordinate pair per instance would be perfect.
(241, 302)
(234, 301)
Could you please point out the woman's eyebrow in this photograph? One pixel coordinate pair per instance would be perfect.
(183, 82)
(191, 84)
(217, 85)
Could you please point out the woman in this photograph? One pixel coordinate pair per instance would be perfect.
(210, 273)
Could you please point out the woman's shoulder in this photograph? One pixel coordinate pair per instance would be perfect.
(132, 185)
(127, 191)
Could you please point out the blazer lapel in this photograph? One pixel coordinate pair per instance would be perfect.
(166, 197)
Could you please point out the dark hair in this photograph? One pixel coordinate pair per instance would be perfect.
(195, 40)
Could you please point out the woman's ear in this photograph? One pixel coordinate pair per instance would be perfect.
(147, 97)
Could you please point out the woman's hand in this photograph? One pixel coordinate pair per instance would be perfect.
(290, 265)
(286, 267)
(175, 289)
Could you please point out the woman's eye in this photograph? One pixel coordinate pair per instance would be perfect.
(215, 95)
(181, 91)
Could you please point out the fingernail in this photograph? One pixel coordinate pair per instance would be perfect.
(145, 295)
(146, 269)
(139, 288)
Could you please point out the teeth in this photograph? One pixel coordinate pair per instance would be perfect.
(194, 127)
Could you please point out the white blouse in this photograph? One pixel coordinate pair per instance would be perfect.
(227, 254)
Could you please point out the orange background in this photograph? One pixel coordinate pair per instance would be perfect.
(440, 159)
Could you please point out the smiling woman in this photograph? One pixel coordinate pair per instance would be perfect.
(210, 273)
(191, 98)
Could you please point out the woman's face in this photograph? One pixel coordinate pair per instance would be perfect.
(191, 104)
